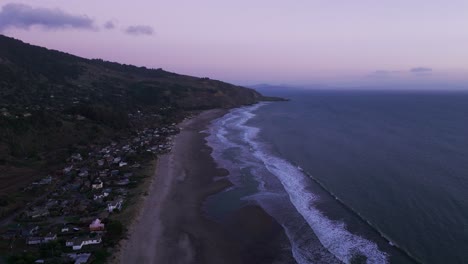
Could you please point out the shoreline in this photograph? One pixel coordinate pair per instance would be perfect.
(136, 213)
(172, 227)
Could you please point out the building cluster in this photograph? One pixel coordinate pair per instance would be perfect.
(77, 203)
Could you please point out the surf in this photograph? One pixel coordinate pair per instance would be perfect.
(333, 235)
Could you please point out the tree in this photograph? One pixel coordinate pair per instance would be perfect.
(115, 229)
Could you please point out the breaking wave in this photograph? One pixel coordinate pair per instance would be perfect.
(333, 235)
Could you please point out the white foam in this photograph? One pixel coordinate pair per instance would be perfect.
(218, 140)
(332, 234)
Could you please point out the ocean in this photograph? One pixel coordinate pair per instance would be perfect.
(353, 176)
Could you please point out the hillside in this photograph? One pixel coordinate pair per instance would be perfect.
(34, 75)
(52, 103)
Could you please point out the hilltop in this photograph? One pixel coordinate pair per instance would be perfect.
(34, 75)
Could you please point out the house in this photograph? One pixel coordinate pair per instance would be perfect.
(76, 157)
(50, 237)
(100, 196)
(83, 173)
(97, 184)
(81, 258)
(100, 163)
(122, 182)
(41, 240)
(96, 225)
(123, 163)
(35, 240)
(41, 212)
(114, 205)
(68, 169)
(78, 243)
(51, 203)
(45, 181)
(104, 173)
(104, 150)
(33, 230)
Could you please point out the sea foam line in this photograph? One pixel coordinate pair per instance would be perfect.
(333, 235)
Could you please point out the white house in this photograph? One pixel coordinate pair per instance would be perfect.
(114, 205)
(97, 184)
(78, 243)
(41, 240)
(38, 212)
(35, 240)
(100, 196)
(50, 237)
(83, 173)
(76, 157)
(68, 169)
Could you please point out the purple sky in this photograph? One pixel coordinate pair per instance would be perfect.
(259, 41)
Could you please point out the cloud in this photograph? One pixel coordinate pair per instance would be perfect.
(109, 25)
(24, 16)
(421, 70)
(139, 30)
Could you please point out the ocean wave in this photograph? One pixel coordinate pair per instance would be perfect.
(333, 235)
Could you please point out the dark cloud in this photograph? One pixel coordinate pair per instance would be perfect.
(421, 70)
(139, 30)
(24, 16)
(109, 25)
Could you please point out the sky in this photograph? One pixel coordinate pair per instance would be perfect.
(301, 42)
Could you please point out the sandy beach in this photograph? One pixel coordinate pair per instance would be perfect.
(171, 226)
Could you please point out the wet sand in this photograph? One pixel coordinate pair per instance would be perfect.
(172, 228)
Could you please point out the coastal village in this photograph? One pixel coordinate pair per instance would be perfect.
(75, 216)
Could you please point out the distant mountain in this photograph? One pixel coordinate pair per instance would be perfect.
(281, 90)
(268, 86)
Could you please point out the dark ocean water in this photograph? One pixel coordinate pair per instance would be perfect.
(342, 170)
